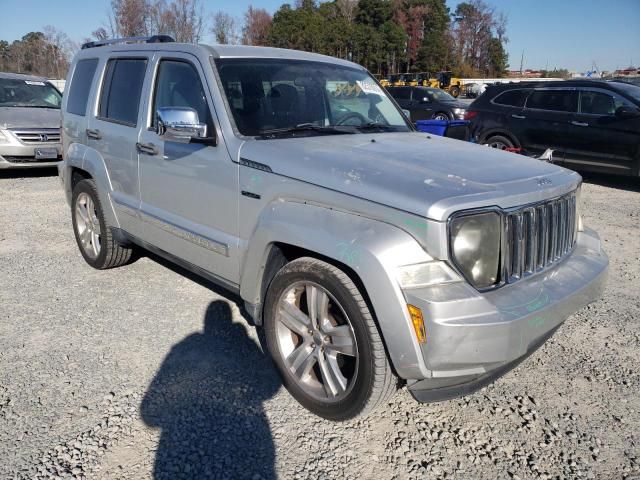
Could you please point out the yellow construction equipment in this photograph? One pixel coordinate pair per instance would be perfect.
(444, 80)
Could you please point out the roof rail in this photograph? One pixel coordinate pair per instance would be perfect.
(115, 41)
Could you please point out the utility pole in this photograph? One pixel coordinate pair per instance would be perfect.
(521, 62)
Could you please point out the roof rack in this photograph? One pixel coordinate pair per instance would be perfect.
(115, 41)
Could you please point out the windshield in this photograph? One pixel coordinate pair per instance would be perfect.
(28, 93)
(297, 97)
(632, 90)
(441, 96)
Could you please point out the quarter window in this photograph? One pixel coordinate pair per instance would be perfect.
(178, 85)
(121, 90)
(554, 100)
(512, 98)
(80, 86)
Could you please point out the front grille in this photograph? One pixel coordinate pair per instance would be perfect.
(37, 135)
(537, 236)
(13, 159)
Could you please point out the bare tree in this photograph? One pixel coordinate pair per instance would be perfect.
(257, 22)
(130, 17)
(474, 25)
(186, 20)
(347, 8)
(225, 28)
(60, 48)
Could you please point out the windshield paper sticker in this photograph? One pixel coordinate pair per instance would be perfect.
(369, 87)
(30, 82)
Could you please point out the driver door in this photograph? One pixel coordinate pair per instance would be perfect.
(188, 191)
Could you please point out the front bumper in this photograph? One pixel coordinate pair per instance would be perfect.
(15, 154)
(474, 338)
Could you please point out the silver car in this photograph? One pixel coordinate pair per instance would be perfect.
(29, 122)
(372, 255)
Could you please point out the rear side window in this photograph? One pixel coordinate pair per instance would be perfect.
(554, 100)
(401, 93)
(512, 98)
(80, 86)
(121, 91)
(597, 103)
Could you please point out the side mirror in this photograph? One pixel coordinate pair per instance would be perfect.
(424, 100)
(627, 112)
(180, 124)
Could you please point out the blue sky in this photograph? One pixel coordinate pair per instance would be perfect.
(558, 33)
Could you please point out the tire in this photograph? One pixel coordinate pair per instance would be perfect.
(499, 141)
(93, 234)
(343, 367)
(440, 116)
(455, 91)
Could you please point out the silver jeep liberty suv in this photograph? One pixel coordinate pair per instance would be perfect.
(371, 254)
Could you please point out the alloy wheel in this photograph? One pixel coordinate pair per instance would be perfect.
(88, 225)
(316, 341)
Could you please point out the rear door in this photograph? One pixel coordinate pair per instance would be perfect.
(113, 131)
(547, 119)
(189, 191)
(599, 140)
(506, 113)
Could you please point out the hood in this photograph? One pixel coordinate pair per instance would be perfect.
(419, 173)
(29, 117)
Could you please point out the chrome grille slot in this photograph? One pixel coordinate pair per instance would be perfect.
(538, 236)
(37, 135)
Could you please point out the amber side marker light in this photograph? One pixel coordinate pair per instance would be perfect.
(418, 323)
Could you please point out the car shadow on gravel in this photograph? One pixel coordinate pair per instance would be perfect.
(631, 184)
(29, 172)
(207, 399)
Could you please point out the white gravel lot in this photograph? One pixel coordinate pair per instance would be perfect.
(145, 371)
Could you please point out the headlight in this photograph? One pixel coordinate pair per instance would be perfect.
(459, 112)
(426, 274)
(475, 247)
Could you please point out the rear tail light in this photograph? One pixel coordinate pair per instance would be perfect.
(470, 115)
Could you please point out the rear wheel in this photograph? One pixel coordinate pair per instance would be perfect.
(455, 91)
(500, 142)
(324, 341)
(93, 234)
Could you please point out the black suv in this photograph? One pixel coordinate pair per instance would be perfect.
(425, 103)
(590, 124)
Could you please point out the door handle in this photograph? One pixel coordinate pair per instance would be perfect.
(147, 148)
(93, 133)
(519, 117)
(579, 124)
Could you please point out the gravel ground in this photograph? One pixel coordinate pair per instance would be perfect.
(147, 371)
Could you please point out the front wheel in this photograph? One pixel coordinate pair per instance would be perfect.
(440, 116)
(455, 91)
(324, 341)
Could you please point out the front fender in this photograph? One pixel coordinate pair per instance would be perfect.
(372, 249)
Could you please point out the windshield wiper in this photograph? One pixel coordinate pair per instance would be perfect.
(376, 126)
(30, 106)
(304, 127)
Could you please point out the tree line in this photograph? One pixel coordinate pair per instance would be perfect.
(385, 36)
